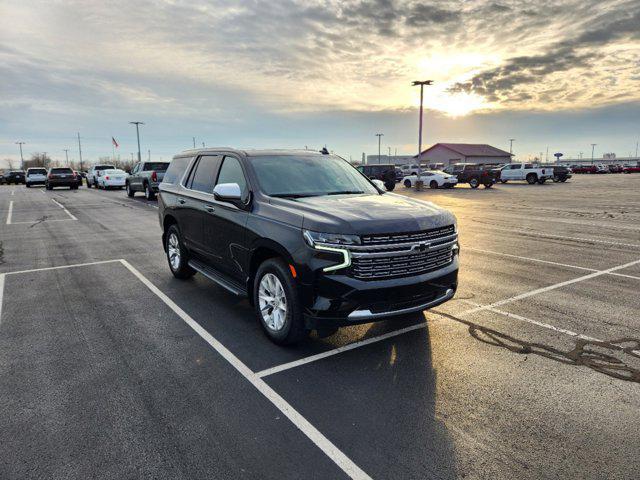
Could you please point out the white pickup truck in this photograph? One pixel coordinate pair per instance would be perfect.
(525, 171)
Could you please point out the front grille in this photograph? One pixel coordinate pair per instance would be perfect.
(408, 237)
(384, 256)
(400, 266)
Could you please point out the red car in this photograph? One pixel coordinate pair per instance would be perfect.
(631, 169)
(584, 169)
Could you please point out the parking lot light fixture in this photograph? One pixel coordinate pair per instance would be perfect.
(21, 157)
(593, 146)
(379, 135)
(137, 124)
(422, 83)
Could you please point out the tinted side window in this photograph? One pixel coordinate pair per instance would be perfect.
(176, 170)
(203, 177)
(231, 172)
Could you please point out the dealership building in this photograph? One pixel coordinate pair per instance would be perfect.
(448, 153)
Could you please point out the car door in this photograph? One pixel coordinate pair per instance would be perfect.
(224, 227)
(193, 204)
(134, 179)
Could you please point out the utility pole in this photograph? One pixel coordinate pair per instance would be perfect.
(379, 135)
(80, 151)
(149, 151)
(194, 142)
(22, 158)
(422, 83)
(390, 155)
(66, 154)
(547, 157)
(137, 124)
(511, 145)
(202, 144)
(636, 150)
(593, 146)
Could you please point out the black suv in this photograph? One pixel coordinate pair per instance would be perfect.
(385, 173)
(15, 176)
(309, 239)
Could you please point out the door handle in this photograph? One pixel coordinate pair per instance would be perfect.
(209, 208)
(181, 201)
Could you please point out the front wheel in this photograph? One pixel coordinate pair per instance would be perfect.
(532, 178)
(407, 183)
(474, 183)
(276, 303)
(433, 184)
(556, 179)
(563, 180)
(177, 255)
(488, 185)
(504, 181)
(130, 192)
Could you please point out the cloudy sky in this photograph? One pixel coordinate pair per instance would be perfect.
(290, 73)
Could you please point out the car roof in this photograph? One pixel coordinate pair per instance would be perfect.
(249, 152)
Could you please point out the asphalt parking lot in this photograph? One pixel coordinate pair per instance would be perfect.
(111, 368)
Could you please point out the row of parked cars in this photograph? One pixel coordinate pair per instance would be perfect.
(601, 168)
(469, 173)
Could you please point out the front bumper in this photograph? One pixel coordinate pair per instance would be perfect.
(339, 300)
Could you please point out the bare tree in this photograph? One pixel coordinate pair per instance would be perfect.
(38, 160)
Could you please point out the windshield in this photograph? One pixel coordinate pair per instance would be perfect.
(308, 176)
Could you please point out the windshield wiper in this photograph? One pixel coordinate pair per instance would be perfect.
(293, 195)
(345, 192)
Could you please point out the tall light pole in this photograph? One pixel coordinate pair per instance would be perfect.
(422, 83)
(80, 151)
(379, 135)
(389, 154)
(22, 158)
(137, 124)
(511, 145)
(636, 150)
(194, 142)
(593, 146)
(66, 154)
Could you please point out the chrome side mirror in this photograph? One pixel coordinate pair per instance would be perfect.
(227, 192)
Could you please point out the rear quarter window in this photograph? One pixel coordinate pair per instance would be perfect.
(176, 169)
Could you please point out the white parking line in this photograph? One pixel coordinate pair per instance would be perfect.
(10, 212)
(551, 287)
(560, 237)
(538, 260)
(13, 192)
(64, 208)
(322, 442)
(100, 262)
(335, 351)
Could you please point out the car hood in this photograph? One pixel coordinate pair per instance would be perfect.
(367, 214)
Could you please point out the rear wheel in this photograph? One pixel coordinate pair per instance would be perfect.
(276, 303)
(474, 183)
(563, 180)
(504, 181)
(148, 192)
(556, 179)
(177, 255)
(532, 178)
(130, 192)
(488, 185)
(433, 184)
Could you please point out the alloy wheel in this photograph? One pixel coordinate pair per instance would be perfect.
(173, 251)
(272, 302)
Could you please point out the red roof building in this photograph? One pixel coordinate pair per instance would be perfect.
(448, 153)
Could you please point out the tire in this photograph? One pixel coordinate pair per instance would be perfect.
(488, 185)
(148, 193)
(390, 186)
(474, 183)
(130, 192)
(563, 180)
(407, 183)
(532, 178)
(541, 181)
(292, 329)
(49, 187)
(27, 185)
(88, 184)
(504, 181)
(174, 246)
(556, 179)
(433, 184)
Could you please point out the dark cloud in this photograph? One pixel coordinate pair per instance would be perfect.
(580, 52)
(423, 14)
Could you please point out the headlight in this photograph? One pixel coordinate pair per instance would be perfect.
(312, 238)
(321, 241)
